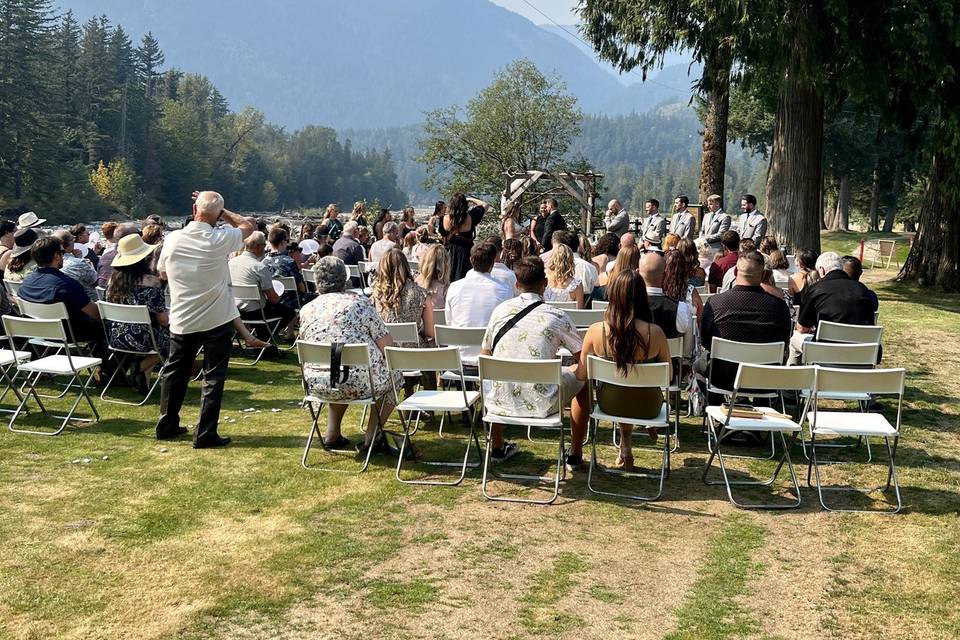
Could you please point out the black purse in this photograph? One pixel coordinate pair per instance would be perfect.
(338, 373)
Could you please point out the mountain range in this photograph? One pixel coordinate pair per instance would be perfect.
(370, 63)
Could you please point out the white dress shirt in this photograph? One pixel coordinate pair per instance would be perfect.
(587, 273)
(470, 303)
(501, 273)
(380, 248)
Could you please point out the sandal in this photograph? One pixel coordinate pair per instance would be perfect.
(624, 463)
(340, 444)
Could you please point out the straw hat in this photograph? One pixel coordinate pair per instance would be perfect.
(23, 241)
(132, 249)
(652, 236)
(29, 220)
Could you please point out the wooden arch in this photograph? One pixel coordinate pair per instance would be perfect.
(535, 185)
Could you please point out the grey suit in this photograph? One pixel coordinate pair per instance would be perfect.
(714, 226)
(618, 223)
(754, 226)
(683, 224)
(656, 222)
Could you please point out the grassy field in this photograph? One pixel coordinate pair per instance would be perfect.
(109, 534)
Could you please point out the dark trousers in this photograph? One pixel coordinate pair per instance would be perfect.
(183, 352)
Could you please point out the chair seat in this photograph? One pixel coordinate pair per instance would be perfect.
(768, 423)
(838, 395)
(60, 365)
(660, 421)
(453, 376)
(851, 423)
(729, 392)
(428, 400)
(316, 400)
(563, 352)
(7, 356)
(56, 344)
(553, 420)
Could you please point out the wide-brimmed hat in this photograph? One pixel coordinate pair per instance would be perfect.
(309, 247)
(132, 249)
(23, 241)
(652, 236)
(28, 220)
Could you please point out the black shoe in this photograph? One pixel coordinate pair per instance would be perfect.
(341, 444)
(509, 450)
(140, 382)
(172, 435)
(572, 462)
(379, 446)
(209, 443)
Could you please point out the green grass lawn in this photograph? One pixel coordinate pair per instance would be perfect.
(848, 242)
(109, 534)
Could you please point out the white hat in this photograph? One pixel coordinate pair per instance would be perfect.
(652, 236)
(29, 220)
(132, 249)
(309, 246)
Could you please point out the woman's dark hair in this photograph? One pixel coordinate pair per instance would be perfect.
(512, 251)
(627, 294)
(458, 209)
(675, 278)
(806, 259)
(7, 226)
(124, 279)
(17, 263)
(76, 230)
(778, 260)
(608, 245)
(439, 207)
(691, 255)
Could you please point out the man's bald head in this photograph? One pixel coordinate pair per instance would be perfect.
(750, 269)
(628, 240)
(125, 229)
(65, 238)
(651, 268)
(614, 206)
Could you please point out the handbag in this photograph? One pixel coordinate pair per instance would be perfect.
(338, 373)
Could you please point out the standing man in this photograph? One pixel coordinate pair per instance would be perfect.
(616, 220)
(553, 222)
(683, 223)
(654, 223)
(715, 224)
(754, 225)
(537, 225)
(202, 310)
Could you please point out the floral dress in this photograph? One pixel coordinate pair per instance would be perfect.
(350, 319)
(134, 337)
(409, 308)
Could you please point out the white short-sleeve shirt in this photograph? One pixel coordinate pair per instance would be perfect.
(195, 261)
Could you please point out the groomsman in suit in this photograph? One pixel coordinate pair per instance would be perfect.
(654, 223)
(715, 223)
(754, 224)
(683, 223)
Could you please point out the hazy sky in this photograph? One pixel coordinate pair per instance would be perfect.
(560, 11)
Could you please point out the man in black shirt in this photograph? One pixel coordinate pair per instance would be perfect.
(745, 313)
(553, 222)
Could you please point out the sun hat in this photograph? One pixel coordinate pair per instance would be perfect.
(652, 236)
(309, 247)
(29, 219)
(132, 249)
(23, 241)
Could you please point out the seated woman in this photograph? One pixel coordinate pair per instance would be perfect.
(337, 316)
(627, 336)
(696, 274)
(20, 263)
(434, 275)
(628, 259)
(562, 285)
(806, 275)
(676, 282)
(397, 298)
(134, 282)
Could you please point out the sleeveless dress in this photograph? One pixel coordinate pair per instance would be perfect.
(555, 294)
(629, 402)
(458, 248)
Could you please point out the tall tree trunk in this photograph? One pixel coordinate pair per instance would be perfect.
(841, 221)
(875, 198)
(935, 253)
(796, 161)
(714, 161)
(891, 216)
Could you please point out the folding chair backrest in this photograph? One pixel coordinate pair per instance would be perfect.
(567, 305)
(404, 332)
(654, 374)
(875, 381)
(775, 377)
(835, 354)
(246, 293)
(747, 352)
(352, 355)
(839, 332)
(706, 296)
(127, 313)
(701, 290)
(439, 316)
(45, 329)
(101, 293)
(13, 287)
(439, 359)
(527, 371)
(791, 263)
(585, 317)
(676, 346)
(448, 336)
(367, 267)
(310, 276)
(43, 311)
(289, 284)
(599, 305)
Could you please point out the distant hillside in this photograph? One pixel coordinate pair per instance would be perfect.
(357, 63)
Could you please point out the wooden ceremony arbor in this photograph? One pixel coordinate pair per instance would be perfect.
(524, 186)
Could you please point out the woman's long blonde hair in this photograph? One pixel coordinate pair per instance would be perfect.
(392, 275)
(358, 208)
(434, 267)
(561, 265)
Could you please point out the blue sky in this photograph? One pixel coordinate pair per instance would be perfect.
(560, 11)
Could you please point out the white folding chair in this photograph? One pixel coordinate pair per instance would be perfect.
(639, 376)
(599, 305)
(494, 371)
(62, 364)
(8, 361)
(250, 293)
(440, 359)
(841, 355)
(439, 316)
(857, 424)
(131, 315)
(447, 336)
(310, 278)
(839, 332)
(43, 348)
(676, 357)
(566, 306)
(290, 286)
(769, 353)
(101, 293)
(13, 288)
(720, 421)
(704, 297)
(585, 317)
(315, 354)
